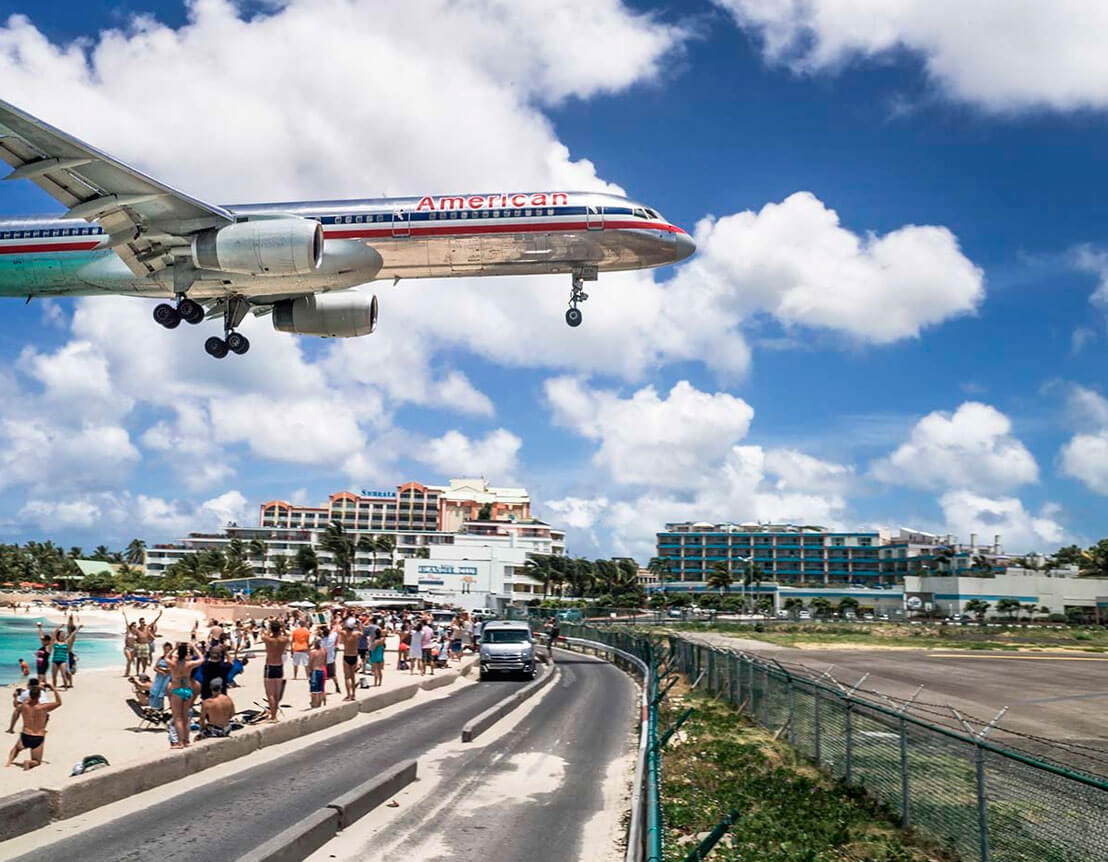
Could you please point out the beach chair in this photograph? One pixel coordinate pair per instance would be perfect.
(148, 718)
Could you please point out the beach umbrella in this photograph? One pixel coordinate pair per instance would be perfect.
(301, 604)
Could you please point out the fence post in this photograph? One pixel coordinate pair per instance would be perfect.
(982, 804)
(819, 754)
(905, 806)
(750, 685)
(849, 741)
(765, 697)
(792, 712)
(711, 670)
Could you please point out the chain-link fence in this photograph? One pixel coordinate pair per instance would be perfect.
(985, 801)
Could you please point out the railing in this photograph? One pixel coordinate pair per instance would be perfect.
(987, 802)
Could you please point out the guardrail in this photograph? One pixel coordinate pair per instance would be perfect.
(644, 833)
(985, 801)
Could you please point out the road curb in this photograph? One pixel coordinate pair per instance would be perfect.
(20, 813)
(365, 797)
(492, 715)
(300, 841)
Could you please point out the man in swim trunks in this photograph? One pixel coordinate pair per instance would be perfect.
(350, 637)
(330, 639)
(276, 645)
(33, 736)
(144, 637)
(317, 673)
(300, 637)
(216, 712)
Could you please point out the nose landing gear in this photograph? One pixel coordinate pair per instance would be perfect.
(577, 294)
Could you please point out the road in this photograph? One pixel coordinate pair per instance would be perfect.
(530, 794)
(579, 728)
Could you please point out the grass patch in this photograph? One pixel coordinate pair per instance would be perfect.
(788, 810)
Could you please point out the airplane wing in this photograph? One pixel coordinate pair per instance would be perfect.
(144, 219)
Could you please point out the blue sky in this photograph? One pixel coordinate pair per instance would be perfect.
(778, 380)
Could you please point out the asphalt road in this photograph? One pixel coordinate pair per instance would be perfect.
(225, 819)
(530, 794)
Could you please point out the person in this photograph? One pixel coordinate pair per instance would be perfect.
(377, 654)
(456, 633)
(161, 678)
(415, 651)
(181, 693)
(330, 640)
(428, 647)
(317, 673)
(216, 712)
(34, 713)
(350, 638)
(59, 658)
(15, 708)
(404, 649)
(276, 645)
(130, 631)
(215, 666)
(300, 637)
(42, 654)
(24, 668)
(363, 646)
(145, 635)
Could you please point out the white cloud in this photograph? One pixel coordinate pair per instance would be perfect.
(679, 458)
(971, 448)
(1002, 55)
(455, 454)
(56, 459)
(1091, 259)
(647, 440)
(797, 262)
(110, 513)
(1085, 456)
(1020, 530)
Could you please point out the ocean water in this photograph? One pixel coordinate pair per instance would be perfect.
(19, 639)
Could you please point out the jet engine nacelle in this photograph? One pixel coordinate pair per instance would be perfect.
(271, 246)
(331, 315)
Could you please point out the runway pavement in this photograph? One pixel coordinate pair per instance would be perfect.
(532, 793)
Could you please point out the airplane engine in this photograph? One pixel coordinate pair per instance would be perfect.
(330, 315)
(271, 246)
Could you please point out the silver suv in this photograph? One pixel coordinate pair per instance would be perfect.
(507, 647)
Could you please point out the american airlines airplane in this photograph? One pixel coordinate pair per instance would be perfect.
(124, 232)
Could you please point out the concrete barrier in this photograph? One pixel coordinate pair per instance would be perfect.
(439, 680)
(492, 715)
(387, 698)
(300, 841)
(365, 797)
(23, 812)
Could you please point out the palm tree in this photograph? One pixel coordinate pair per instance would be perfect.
(719, 578)
(793, 605)
(386, 545)
(76, 553)
(538, 567)
(366, 544)
(848, 603)
(136, 552)
(307, 562)
(257, 548)
(236, 550)
(1008, 606)
(337, 542)
(978, 607)
(213, 560)
(281, 565)
(101, 553)
(423, 553)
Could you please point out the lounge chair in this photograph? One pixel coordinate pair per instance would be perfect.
(148, 717)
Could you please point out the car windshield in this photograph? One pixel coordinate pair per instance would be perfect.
(506, 636)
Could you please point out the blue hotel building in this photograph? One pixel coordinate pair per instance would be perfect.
(785, 553)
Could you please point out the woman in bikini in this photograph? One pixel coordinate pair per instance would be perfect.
(130, 635)
(181, 691)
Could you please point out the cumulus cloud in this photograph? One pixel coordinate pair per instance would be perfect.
(1002, 55)
(1020, 530)
(455, 454)
(681, 458)
(112, 513)
(1085, 455)
(971, 448)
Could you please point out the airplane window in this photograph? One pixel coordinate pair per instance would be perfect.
(496, 213)
(453, 215)
(527, 212)
(517, 213)
(550, 212)
(348, 219)
(358, 219)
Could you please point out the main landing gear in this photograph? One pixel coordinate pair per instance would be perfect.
(577, 294)
(234, 310)
(190, 311)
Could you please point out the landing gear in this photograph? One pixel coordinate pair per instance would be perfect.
(187, 310)
(190, 311)
(216, 346)
(166, 315)
(577, 294)
(237, 343)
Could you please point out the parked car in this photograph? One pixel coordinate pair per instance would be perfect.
(804, 615)
(507, 646)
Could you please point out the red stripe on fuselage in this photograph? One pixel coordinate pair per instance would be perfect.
(35, 248)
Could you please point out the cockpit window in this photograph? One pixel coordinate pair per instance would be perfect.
(640, 213)
(654, 214)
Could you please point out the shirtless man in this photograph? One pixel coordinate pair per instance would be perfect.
(350, 637)
(144, 637)
(276, 645)
(216, 712)
(317, 675)
(33, 736)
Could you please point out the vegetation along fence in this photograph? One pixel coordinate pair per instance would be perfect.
(985, 801)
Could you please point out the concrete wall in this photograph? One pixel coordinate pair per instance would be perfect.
(951, 594)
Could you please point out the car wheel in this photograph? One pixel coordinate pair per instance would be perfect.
(482, 676)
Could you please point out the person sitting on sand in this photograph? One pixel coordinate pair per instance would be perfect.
(216, 712)
(33, 735)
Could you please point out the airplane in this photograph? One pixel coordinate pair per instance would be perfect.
(126, 233)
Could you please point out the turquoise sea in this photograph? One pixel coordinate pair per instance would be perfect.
(19, 639)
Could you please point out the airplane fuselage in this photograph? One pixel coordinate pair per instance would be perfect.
(364, 240)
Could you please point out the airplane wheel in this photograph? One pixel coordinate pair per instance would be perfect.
(190, 311)
(167, 315)
(574, 316)
(216, 347)
(237, 343)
